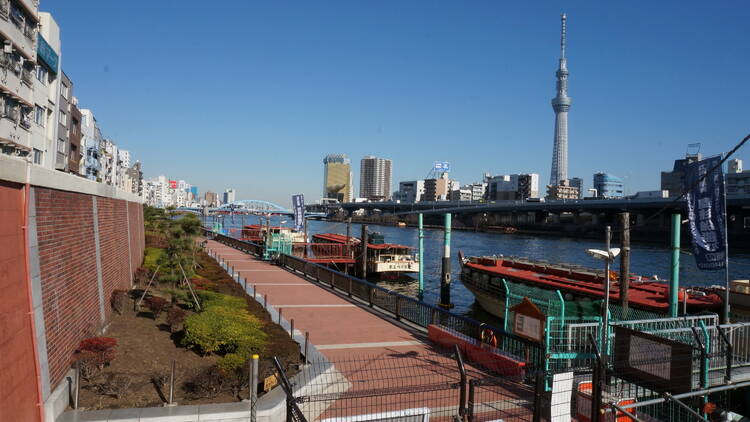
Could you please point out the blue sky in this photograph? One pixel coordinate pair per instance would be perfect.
(253, 95)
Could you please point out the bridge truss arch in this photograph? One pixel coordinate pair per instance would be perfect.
(253, 205)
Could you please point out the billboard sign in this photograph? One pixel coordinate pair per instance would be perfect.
(298, 203)
(706, 213)
(173, 184)
(657, 363)
(441, 166)
(47, 55)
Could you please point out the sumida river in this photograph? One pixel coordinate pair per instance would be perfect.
(646, 259)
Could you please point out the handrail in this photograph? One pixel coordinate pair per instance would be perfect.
(404, 307)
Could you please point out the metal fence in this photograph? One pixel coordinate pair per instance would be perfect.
(411, 310)
(406, 386)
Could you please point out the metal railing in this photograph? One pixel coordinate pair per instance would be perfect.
(402, 308)
(409, 309)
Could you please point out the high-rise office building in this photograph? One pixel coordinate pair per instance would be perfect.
(375, 178)
(337, 177)
(561, 105)
(229, 196)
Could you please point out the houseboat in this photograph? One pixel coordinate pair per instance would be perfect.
(382, 258)
(256, 233)
(483, 277)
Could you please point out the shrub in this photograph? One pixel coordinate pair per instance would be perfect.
(211, 299)
(151, 257)
(118, 300)
(202, 284)
(234, 367)
(94, 353)
(142, 275)
(116, 385)
(225, 330)
(176, 318)
(232, 362)
(208, 383)
(156, 304)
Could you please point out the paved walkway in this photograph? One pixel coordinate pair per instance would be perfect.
(380, 365)
(337, 326)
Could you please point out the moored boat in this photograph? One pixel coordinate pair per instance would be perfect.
(257, 233)
(483, 277)
(382, 258)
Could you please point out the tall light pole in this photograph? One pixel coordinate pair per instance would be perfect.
(608, 255)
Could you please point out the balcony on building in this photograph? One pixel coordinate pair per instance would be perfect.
(18, 23)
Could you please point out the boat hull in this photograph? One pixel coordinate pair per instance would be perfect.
(490, 303)
(394, 266)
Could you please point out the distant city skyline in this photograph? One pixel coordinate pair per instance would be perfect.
(393, 79)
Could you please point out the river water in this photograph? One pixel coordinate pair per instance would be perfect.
(646, 259)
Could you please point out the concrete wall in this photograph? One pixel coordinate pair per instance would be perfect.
(84, 241)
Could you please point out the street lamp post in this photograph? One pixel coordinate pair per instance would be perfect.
(608, 255)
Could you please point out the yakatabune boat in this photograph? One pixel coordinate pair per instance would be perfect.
(483, 277)
(381, 257)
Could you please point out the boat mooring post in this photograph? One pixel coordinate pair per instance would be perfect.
(348, 248)
(625, 261)
(363, 252)
(421, 255)
(674, 282)
(445, 279)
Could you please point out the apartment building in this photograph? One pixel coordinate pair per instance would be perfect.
(90, 166)
(375, 178)
(19, 21)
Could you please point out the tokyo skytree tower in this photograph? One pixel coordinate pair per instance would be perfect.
(561, 105)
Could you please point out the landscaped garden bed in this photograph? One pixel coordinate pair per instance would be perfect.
(130, 365)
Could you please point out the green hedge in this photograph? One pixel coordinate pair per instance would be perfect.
(224, 326)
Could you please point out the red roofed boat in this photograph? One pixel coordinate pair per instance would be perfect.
(381, 257)
(483, 276)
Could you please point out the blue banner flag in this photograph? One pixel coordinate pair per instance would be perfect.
(706, 213)
(298, 202)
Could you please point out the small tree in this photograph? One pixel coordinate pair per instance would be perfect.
(93, 354)
(156, 305)
(176, 318)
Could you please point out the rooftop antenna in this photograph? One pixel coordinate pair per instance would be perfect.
(563, 18)
(695, 148)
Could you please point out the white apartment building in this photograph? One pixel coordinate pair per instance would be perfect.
(108, 161)
(19, 21)
(124, 157)
(91, 140)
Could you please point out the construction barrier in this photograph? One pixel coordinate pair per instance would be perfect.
(482, 354)
(583, 405)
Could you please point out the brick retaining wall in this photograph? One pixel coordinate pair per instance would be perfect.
(84, 254)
